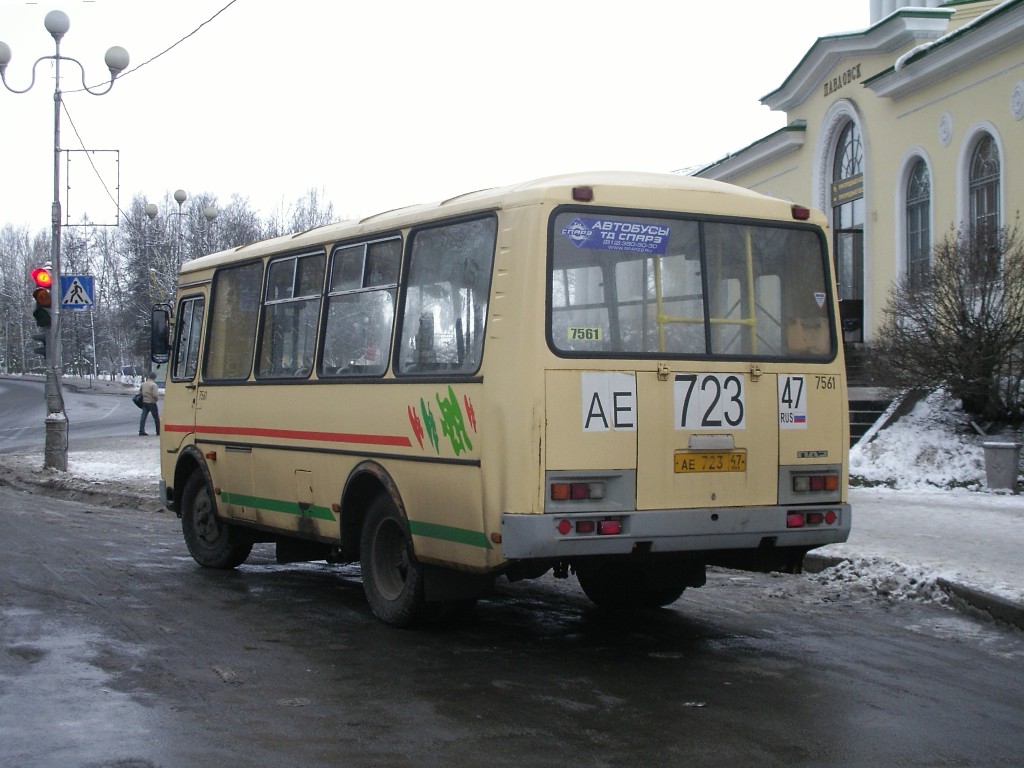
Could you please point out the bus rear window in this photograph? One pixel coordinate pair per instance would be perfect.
(634, 286)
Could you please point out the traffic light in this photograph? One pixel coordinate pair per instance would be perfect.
(41, 293)
(40, 339)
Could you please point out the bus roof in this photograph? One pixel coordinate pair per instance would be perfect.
(610, 188)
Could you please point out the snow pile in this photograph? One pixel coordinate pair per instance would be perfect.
(126, 471)
(869, 577)
(928, 448)
(96, 466)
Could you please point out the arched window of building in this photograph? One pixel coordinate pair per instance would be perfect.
(983, 189)
(919, 236)
(848, 225)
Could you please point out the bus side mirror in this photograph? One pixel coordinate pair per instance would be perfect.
(160, 334)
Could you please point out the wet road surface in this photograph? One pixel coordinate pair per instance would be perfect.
(117, 650)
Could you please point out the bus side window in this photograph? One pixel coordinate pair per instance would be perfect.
(425, 339)
(233, 312)
(360, 308)
(189, 332)
(291, 311)
(446, 299)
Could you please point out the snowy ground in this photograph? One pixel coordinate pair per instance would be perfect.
(934, 446)
(922, 512)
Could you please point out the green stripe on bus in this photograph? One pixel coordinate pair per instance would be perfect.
(277, 505)
(429, 530)
(449, 533)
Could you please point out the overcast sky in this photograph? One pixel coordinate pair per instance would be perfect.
(380, 104)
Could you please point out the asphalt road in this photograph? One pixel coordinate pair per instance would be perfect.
(117, 650)
(90, 415)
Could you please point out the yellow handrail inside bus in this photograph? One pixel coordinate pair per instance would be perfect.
(749, 322)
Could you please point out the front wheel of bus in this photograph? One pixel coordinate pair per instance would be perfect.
(211, 542)
(392, 577)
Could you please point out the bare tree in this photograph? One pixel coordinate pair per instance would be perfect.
(307, 212)
(134, 265)
(113, 331)
(236, 224)
(960, 323)
(14, 298)
(20, 252)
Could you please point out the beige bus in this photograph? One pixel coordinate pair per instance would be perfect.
(628, 377)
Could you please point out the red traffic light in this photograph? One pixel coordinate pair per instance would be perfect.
(42, 278)
(43, 281)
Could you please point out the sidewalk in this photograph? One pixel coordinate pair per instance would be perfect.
(971, 543)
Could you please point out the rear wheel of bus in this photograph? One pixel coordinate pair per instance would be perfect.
(621, 585)
(392, 577)
(211, 542)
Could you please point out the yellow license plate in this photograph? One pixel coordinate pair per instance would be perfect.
(711, 461)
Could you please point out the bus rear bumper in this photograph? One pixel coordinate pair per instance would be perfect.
(580, 534)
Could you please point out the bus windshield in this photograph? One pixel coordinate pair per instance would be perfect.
(632, 286)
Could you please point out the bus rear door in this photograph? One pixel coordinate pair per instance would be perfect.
(707, 440)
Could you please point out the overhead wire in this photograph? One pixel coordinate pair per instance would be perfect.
(133, 70)
(171, 47)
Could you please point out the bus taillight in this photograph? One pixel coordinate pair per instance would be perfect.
(583, 194)
(814, 517)
(611, 526)
(577, 491)
(816, 483)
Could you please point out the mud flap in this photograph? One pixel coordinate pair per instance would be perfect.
(447, 584)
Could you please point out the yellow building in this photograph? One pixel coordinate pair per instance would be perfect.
(901, 133)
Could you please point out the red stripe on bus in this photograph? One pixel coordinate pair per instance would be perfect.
(293, 434)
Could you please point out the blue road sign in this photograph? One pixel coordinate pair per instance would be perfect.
(76, 291)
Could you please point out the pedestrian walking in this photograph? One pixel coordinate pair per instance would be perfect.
(150, 395)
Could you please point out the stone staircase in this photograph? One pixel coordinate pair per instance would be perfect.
(869, 398)
(867, 406)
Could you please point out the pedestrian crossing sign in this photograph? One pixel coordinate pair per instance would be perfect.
(76, 291)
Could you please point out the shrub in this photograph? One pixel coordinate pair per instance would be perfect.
(959, 324)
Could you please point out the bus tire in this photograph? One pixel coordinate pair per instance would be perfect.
(621, 586)
(212, 542)
(392, 577)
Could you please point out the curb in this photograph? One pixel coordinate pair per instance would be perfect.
(963, 596)
(99, 387)
(997, 607)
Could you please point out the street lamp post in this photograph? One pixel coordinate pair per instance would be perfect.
(57, 24)
(180, 196)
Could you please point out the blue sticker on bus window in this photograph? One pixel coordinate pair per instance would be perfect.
(613, 235)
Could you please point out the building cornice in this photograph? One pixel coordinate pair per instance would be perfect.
(981, 38)
(903, 28)
(760, 153)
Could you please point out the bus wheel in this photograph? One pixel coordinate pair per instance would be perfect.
(211, 542)
(392, 577)
(628, 585)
